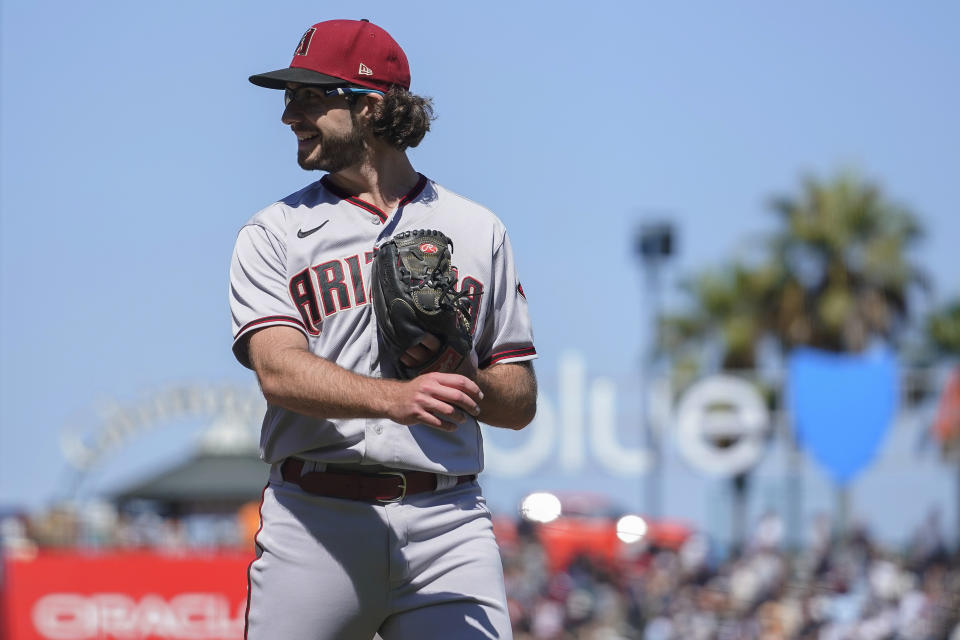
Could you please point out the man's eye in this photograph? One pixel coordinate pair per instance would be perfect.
(304, 96)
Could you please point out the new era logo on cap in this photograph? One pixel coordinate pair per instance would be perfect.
(338, 52)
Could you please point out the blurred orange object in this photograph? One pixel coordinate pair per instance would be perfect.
(248, 520)
(946, 425)
(668, 534)
(566, 538)
(588, 527)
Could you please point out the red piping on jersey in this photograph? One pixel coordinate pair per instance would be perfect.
(510, 353)
(246, 614)
(254, 323)
(366, 206)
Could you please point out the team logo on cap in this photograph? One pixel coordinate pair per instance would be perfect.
(426, 247)
(365, 70)
(305, 41)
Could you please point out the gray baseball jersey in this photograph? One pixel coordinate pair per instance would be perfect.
(304, 262)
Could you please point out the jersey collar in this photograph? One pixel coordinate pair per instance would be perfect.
(366, 206)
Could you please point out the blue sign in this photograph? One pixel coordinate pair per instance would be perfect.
(842, 406)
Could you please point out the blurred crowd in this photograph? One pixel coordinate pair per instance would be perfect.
(835, 588)
(139, 525)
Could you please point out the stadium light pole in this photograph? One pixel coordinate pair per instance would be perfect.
(654, 244)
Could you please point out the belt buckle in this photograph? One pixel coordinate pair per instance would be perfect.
(403, 487)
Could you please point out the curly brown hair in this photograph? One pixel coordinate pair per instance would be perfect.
(402, 118)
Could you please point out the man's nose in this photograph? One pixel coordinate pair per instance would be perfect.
(290, 114)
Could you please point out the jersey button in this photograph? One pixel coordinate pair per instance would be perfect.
(378, 429)
(375, 220)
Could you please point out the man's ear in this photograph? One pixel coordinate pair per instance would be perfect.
(367, 106)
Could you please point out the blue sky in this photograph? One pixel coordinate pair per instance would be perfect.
(132, 148)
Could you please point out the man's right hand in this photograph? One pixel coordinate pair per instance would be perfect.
(439, 400)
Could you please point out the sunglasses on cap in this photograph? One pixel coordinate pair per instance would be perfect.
(308, 95)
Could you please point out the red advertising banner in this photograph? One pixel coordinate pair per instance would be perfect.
(136, 595)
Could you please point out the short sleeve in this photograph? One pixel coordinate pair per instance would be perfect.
(259, 290)
(507, 334)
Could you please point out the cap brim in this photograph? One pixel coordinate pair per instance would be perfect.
(279, 79)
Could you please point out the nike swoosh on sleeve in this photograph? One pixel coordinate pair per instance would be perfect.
(303, 234)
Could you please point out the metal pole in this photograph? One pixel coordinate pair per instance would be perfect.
(842, 497)
(794, 489)
(738, 524)
(655, 476)
(653, 244)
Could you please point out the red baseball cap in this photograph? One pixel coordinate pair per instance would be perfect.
(338, 52)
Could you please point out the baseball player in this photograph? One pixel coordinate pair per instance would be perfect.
(372, 521)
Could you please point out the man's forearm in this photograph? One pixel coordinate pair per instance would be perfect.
(310, 385)
(509, 395)
(295, 379)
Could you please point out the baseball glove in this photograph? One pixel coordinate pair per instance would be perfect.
(414, 293)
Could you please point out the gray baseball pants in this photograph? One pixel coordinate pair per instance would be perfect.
(332, 569)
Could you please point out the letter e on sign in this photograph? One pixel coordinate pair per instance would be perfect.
(721, 422)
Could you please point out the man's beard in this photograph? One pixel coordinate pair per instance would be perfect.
(336, 153)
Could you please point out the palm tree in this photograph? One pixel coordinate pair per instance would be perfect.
(943, 329)
(844, 277)
(729, 308)
(836, 277)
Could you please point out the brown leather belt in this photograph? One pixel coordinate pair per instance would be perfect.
(382, 486)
